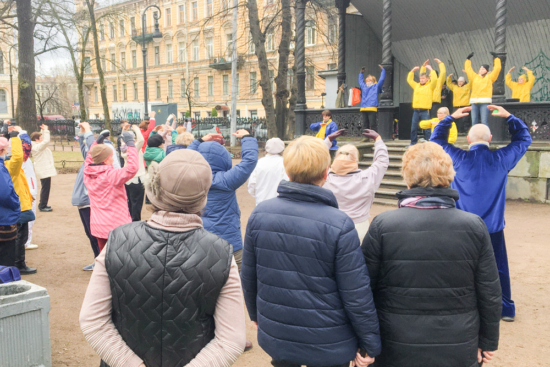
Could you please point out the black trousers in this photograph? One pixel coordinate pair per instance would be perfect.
(20, 241)
(368, 119)
(7, 252)
(463, 124)
(85, 214)
(288, 364)
(45, 192)
(136, 194)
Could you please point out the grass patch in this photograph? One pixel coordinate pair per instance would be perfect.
(67, 162)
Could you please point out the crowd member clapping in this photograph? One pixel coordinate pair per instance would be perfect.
(166, 292)
(355, 188)
(44, 165)
(433, 274)
(269, 172)
(10, 210)
(305, 282)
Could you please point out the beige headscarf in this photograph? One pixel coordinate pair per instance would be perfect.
(346, 160)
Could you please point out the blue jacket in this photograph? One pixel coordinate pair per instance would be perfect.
(222, 215)
(10, 207)
(80, 193)
(369, 95)
(331, 128)
(305, 281)
(481, 174)
(174, 147)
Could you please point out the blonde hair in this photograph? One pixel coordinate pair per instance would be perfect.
(427, 165)
(181, 129)
(347, 152)
(306, 160)
(372, 77)
(184, 138)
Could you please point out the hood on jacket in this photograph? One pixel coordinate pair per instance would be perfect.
(154, 154)
(428, 191)
(306, 192)
(174, 147)
(216, 155)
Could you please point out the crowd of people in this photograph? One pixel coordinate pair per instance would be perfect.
(425, 284)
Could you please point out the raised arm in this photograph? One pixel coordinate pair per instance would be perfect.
(440, 135)
(38, 147)
(469, 71)
(238, 175)
(509, 82)
(126, 173)
(381, 158)
(381, 80)
(139, 138)
(493, 75)
(450, 83)
(16, 161)
(442, 74)
(531, 77)
(361, 79)
(410, 78)
(433, 79)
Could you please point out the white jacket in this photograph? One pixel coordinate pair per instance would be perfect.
(28, 168)
(140, 175)
(43, 158)
(265, 178)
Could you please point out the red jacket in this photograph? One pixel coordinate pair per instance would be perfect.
(146, 133)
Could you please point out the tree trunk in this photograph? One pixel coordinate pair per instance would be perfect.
(26, 103)
(258, 37)
(291, 119)
(102, 86)
(282, 93)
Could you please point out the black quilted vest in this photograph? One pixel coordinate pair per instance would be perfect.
(165, 286)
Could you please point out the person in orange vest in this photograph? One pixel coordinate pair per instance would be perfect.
(522, 88)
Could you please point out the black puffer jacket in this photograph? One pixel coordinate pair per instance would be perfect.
(435, 284)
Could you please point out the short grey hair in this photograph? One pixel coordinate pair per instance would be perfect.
(479, 132)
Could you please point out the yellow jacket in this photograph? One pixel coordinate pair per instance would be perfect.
(482, 87)
(461, 95)
(423, 94)
(439, 82)
(430, 124)
(521, 91)
(14, 166)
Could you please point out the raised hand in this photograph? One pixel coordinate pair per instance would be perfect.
(152, 114)
(461, 112)
(438, 61)
(7, 121)
(101, 138)
(241, 133)
(450, 76)
(381, 67)
(44, 127)
(416, 68)
(128, 138)
(501, 111)
(426, 62)
(371, 134)
(470, 56)
(494, 54)
(212, 137)
(85, 127)
(429, 67)
(17, 128)
(337, 134)
(512, 69)
(524, 68)
(363, 69)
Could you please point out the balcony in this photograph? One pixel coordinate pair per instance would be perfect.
(224, 63)
(137, 36)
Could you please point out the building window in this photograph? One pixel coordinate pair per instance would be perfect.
(197, 115)
(183, 87)
(290, 78)
(182, 14)
(253, 82)
(135, 92)
(182, 52)
(3, 101)
(111, 30)
(251, 44)
(225, 85)
(310, 77)
(331, 66)
(101, 32)
(113, 62)
(115, 97)
(196, 50)
(168, 54)
(158, 89)
(96, 97)
(134, 59)
(225, 4)
(124, 92)
(168, 15)
(121, 28)
(209, 47)
(170, 89)
(209, 8)
(254, 114)
(157, 55)
(272, 80)
(311, 34)
(196, 86)
(269, 46)
(195, 7)
(332, 30)
(133, 25)
(210, 85)
(87, 65)
(123, 60)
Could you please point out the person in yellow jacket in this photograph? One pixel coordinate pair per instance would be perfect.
(422, 98)
(21, 187)
(522, 88)
(482, 88)
(439, 81)
(432, 123)
(461, 97)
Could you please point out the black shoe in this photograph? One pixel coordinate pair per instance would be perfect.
(45, 209)
(26, 270)
(508, 318)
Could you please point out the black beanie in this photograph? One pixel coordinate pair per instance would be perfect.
(155, 141)
(486, 67)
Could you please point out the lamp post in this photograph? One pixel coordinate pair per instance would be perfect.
(11, 82)
(323, 99)
(156, 34)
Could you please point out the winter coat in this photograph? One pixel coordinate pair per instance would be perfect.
(422, 94)
(432, 123)
(435, 284)
(439, 81)
(15, 168)
(461, 95)
(43, 158)
(153, 154)
(174, 147)
(146, 133)
(28, 166)
(222, 215)
(481, 173)
(331, 128)
(521, 91)
(304, 280)
(108, 200)
(369, 95)
(265, 178)
(10, 208)
(482, 87)
(80, 193)
(355, 191)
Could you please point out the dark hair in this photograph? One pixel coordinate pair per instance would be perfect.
(143, 125)
(327, 113)
(35, 136)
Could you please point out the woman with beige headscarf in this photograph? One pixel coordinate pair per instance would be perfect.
(355, 188)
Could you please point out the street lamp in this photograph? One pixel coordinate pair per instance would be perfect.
(323, 99)
(11, 82)
(156, 34)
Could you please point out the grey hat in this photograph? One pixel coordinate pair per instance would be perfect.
(274, 146)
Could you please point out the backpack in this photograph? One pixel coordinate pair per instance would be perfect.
(9, 274)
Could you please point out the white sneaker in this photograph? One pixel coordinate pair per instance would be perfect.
(422, 140)
(31, 247)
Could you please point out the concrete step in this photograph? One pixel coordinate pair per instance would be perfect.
(385, 201)
(397, 150)
(393, 184)
(393, 157)
(393, 175)
(386, 194)
(392, 167)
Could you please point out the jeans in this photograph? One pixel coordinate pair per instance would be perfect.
(462, 124)
(499, 248)
(45, 192)
(136, 194)
(85, 214)
(417, 116)
(288, 364)
(480, 109)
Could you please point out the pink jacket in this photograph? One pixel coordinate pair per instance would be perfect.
(108, 200)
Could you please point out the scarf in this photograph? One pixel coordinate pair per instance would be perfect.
(321, 133)
(343, 166)
(427, 202)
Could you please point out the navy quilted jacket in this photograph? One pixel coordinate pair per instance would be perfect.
(305, 281)
(222, 215)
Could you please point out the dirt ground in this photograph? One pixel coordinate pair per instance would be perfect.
(64, 250)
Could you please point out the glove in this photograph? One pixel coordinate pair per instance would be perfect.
(363, 69)
(102, 136)
(494, 54)
(124, 148)
(470, 56)
(371, 134)
(336, 134)
(128, 139)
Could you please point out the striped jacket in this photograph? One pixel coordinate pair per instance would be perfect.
(108, 200)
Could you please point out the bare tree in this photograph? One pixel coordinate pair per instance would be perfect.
(26, 106)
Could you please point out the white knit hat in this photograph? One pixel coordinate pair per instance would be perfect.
(461, 79)
(274, 146)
